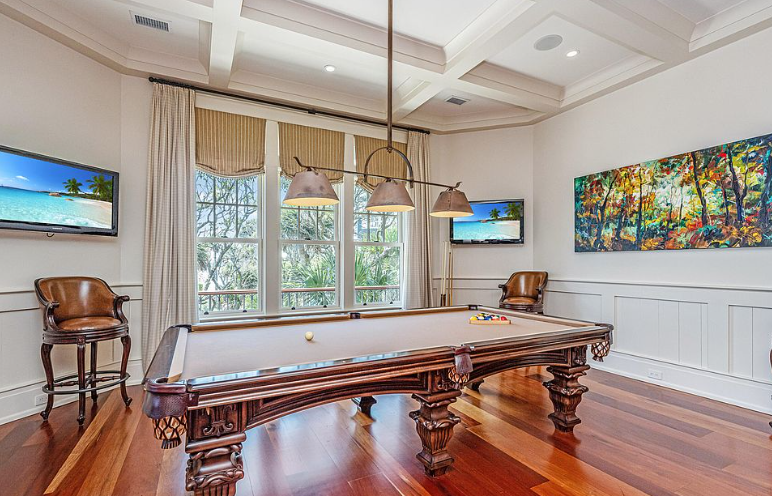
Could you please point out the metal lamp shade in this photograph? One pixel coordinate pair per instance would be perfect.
(390, 196)
(310, 189)
(451, 203)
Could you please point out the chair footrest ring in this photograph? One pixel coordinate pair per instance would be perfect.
(66, 381)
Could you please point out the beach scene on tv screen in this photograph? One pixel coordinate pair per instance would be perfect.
(498, 220)
(33, 190)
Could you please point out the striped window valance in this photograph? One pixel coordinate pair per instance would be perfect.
(314, 147)
(229, 145)
(383, 163)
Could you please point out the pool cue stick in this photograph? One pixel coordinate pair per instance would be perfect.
(450, 275)
(443, 283)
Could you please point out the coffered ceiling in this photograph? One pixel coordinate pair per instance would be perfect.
(480, 51)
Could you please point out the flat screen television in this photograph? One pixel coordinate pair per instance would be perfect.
(39, 193)
(493, 222)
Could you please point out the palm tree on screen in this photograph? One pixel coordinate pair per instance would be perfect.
(495, 214)
(513, 211)
(72, 186)
(102, 188)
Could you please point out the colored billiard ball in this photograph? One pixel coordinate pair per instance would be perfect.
(309, 336)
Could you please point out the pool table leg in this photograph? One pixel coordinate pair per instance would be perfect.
(215, 465)
(365, 404)
(435, 424)
(475, 385)
(565, 391)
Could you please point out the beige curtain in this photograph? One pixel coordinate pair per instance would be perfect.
(169, 281)
(314, 147)
(229, 145)
(418, 276)
(383, 163)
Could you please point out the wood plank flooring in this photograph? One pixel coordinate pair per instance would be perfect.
(636, 439)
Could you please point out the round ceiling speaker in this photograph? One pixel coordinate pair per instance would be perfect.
(548, 42)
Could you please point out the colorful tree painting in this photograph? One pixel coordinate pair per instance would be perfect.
(718, 197)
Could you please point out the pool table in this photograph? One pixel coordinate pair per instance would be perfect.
(215, 381)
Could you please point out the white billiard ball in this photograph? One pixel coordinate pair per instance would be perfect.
(309, 336)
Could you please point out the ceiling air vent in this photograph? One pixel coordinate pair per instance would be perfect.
(149, 22)
(456, 100)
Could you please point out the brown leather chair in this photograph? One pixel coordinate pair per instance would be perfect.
(81, 311)
(524, 291)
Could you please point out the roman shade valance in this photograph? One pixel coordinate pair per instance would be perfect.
(229, 145)
(383, 163)
(313, 146)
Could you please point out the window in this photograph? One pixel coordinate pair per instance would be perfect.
(309, 254)
(377, 254)
(228, 243)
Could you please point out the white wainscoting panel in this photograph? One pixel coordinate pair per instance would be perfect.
(709, 340)
(21, 369)
(750, 330)
(712, 341)
(582, 306)
(472, 291)
(762, 335)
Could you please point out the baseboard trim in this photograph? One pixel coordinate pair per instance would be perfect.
(750, 394)
(13, 403)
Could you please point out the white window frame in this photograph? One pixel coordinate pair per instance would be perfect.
(269, 244)
(258, 241)
(336, 243)
(351, 259)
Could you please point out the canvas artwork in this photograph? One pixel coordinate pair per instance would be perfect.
(718, 197)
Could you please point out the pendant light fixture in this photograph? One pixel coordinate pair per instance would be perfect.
(310, 188)
(452, 203)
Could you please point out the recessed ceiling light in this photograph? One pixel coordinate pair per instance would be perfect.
(572, 53)
(329, 68)
(548, 42)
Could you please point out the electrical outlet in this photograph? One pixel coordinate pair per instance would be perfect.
(655, 374)
(41, 399)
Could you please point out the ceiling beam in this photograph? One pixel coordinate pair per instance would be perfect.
(226, 15)
(659, 36)
(616, 23)
(499, 26)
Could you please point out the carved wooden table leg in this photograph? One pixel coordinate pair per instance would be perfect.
(434, 424)
(215, 465)
(365, 404)
(214, 444)
(565, 391)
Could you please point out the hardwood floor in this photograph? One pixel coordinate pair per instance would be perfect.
(635, 439)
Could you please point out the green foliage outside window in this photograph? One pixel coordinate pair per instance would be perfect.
(227, 254)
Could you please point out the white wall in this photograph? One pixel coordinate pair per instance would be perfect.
(701, 318)
(492, 165)
(57, 102)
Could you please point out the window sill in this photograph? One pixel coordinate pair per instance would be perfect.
(298, 313)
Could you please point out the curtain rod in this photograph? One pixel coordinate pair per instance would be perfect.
(287, 106)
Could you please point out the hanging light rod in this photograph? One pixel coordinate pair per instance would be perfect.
(286, 106)
(366, 174)
(309, 188)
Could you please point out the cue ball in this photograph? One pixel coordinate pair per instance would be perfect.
(309, 336)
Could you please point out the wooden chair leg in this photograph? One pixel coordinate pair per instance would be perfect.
(45, 354)
(126, 341)
(93, 370)
(81, 382)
